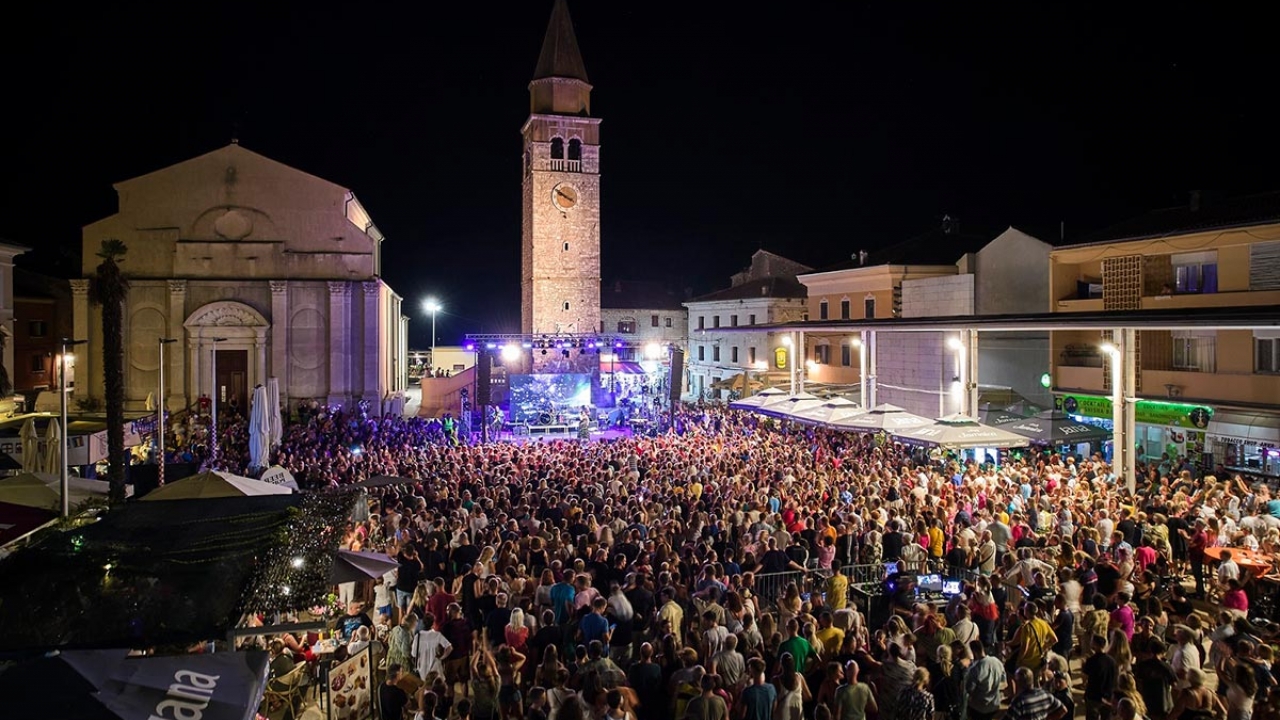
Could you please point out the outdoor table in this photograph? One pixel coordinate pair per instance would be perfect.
(1248, 560)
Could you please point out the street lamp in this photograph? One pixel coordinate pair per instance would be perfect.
(65, 483)
(213, 405)
(160, 414)
(432, 306)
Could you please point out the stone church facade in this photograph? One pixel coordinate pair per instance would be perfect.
(275, 270)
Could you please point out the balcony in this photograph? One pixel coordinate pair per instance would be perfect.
(1083, 305)
(566, 165)
(1213, 387)
(1183, 301)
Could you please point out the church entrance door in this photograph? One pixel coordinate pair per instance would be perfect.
(233, 381)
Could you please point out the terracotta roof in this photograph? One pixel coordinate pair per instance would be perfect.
(560, 57)
(778, 287)
(1243, 211)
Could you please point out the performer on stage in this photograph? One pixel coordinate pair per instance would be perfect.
(584, 425)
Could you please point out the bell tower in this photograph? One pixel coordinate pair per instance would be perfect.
(560, 170)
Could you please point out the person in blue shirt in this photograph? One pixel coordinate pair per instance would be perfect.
(562, 594)
(594, 625)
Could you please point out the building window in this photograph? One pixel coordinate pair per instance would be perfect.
(822, 310)
(702, 322)
(869, 308)
(733, 321)
(37, 328)
(844, 309)
(751, 319)
(575, 149)
(37, 364)
(846, 355)
(653, 321)
(715, 353)
(1195, 272)
(751, 356)
(627, 326)
(1194, 353)
(557, 148)
(566, 307)
(702, 353)
(566, 247)
(733, 354)
(715, 321)
(667, 322)
(822, 354)
(1266, 355)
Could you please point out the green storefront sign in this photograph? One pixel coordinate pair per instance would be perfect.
(1148, 412)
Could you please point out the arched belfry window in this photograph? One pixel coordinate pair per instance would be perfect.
(575, 149)
(557, 148)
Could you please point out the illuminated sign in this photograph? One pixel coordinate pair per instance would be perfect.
(1149, 412)
(780, 358)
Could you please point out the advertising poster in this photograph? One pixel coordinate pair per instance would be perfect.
(351, 689)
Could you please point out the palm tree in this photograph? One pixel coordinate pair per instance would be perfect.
(109, 290)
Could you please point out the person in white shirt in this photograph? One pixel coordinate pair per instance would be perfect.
(430, 648)
(1228, 569)
(1186, 656)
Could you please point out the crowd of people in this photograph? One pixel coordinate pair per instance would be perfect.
(708, 572)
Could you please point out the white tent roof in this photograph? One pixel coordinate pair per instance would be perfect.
(961, 431)
(881, 417)
(788, 406)
(211, 484)
(755, 401)
(830, 411)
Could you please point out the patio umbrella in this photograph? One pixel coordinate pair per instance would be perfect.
(758, 399)
(787, 407)
(1054, 427)
(273, 411)
(960, 432)
(352, 566)
(30, 446)
(215, 484)
(831, 410)
(52, 449)
(259, 428)
(881, 417)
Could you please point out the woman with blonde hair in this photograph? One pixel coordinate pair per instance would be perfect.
(1118, 648)
(517, 632)
(1127, 687)
(916, 702)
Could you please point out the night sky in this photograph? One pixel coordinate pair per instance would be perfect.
(813, 131)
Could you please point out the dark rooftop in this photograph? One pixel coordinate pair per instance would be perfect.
(1196, 215)
(943, 245)
(640, 295)
(560, 56)
(776, 287)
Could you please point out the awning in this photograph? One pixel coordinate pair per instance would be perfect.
(1054, 427)
(960, 432)
(1246, 426)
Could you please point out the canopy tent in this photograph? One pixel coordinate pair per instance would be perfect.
(1054, 427)
(215, 484)
(886, 417)
(259, 429)
(960, 432)
(829, 411)
(755, 401)
(30, 446)
(998, 416)
(107, 685)
(52, 449)
(351, 566)
(7, 463)
(43, 490)
(277, 475)
(787, 407)
(17, 521)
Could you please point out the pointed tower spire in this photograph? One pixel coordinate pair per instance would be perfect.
(560, 57)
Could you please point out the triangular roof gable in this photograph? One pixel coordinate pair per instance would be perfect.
(232, 153)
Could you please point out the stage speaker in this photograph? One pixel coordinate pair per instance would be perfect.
(484, 375)
(677, 374)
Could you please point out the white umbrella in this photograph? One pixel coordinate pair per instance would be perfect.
(30, 446)
(273, 411)
(151, 402)
(259, 428)
(881, 417)
(52, 448)
(755, 401)
(961, 431)
(832, 410)
(788, 407)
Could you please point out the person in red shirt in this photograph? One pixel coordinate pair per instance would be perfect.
(1235, 599)
(1197, 541)
(1144, 555)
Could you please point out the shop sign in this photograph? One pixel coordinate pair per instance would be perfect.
(1147, 412)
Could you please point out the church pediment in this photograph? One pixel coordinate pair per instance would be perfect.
(226, 313)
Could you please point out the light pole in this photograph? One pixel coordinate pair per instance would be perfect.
(64, 486)
(860, 345)
(213, 405)
(432, 306)
(959, 380)
(160, 414)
